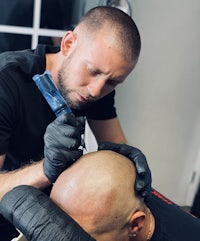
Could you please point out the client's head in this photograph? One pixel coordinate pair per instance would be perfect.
(98, 192)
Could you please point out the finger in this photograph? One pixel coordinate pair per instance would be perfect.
(106, 146)
(140, 164)
(66, 156)
(80, 123)
(139, 184)
(120, 148)
(66, 118)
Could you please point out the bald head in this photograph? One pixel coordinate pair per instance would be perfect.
(116, 24)
(98, 191)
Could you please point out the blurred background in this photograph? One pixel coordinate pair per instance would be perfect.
(158, 105)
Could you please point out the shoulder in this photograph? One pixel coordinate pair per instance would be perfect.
(27, 61)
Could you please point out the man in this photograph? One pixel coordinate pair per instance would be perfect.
(91, 61)
(97, 191)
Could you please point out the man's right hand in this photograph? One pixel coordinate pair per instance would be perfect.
(62, 140)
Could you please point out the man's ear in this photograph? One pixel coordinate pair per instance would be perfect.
(67, 42)
(136, 223)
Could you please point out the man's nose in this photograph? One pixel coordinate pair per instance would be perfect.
(96, 86)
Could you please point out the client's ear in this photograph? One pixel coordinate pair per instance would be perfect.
(136, 223)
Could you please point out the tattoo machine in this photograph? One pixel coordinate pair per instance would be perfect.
(55, 100)
(52, 95)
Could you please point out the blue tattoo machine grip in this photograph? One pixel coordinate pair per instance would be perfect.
(52, 95)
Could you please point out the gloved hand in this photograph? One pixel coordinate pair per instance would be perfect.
(62, 140)
(143, 175)
(38, 218)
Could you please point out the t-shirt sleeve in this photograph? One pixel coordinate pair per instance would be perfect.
(8, 113)
(102, 109)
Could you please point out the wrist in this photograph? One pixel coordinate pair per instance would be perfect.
(40, 181)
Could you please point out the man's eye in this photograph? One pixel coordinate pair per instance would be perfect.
(93, 72)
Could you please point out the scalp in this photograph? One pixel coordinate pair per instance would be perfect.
(98, 188)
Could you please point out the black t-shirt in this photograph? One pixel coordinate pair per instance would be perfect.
(172, 222)
(24, 113)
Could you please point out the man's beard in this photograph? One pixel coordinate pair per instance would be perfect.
(66, 93)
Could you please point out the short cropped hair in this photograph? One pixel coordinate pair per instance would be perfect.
(120, 23)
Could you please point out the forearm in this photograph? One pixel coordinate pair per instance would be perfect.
(107, 130)
(29, 175)
(38, 218)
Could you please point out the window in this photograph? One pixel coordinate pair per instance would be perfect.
(25, 23)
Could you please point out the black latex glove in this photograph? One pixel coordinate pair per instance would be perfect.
(38, 218)
(143, 176)
(62, 140)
